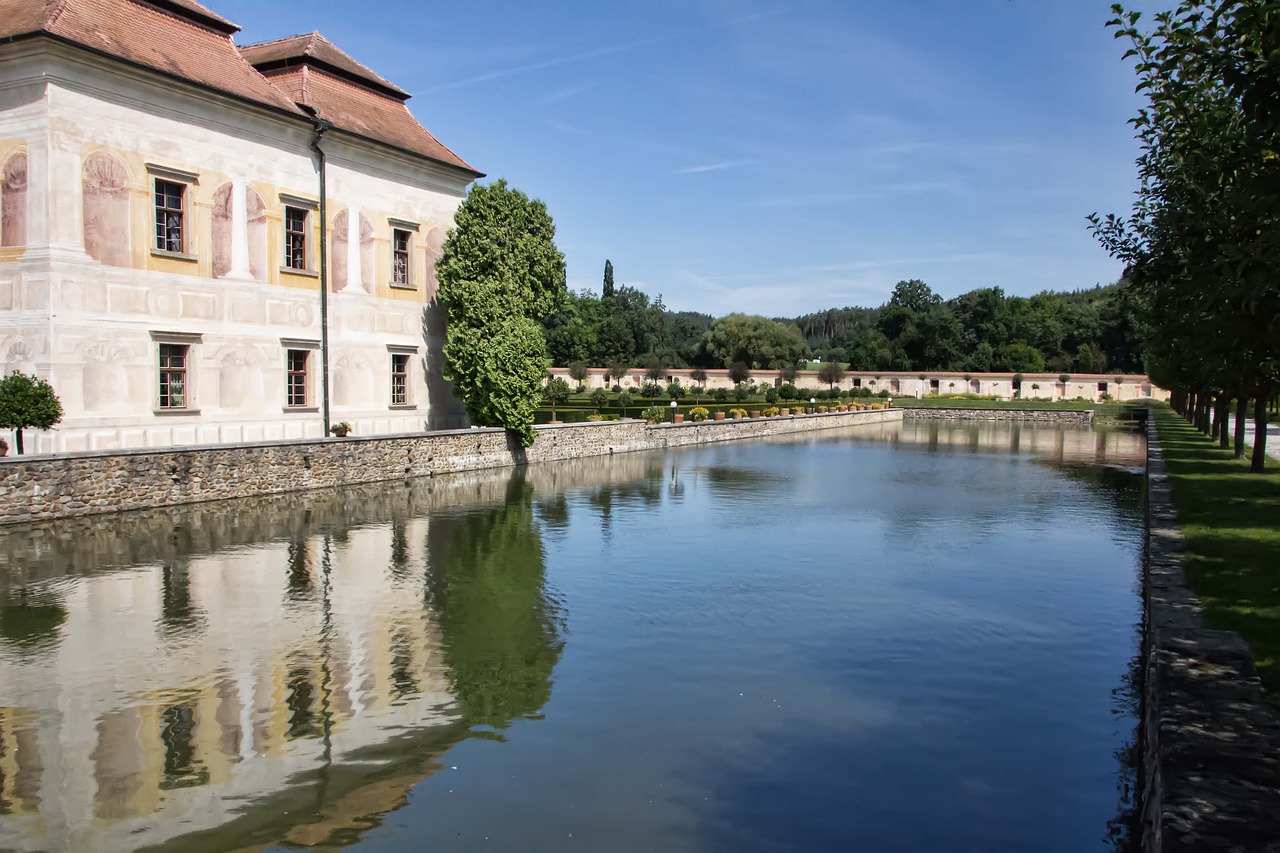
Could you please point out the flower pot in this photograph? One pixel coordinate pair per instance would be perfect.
(737, 416)
(719, 416)
(822, 410)
(679, 418)
(784, 412)
(755, 413)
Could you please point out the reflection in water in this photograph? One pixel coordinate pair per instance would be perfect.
(244, 687)
(777, 645)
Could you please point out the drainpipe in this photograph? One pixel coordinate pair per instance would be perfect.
(322, 127)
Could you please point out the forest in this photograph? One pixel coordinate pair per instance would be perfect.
(1094, 330)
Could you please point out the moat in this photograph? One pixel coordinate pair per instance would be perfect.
(902, 637)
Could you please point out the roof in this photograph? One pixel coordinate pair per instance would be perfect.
(183, 39)
(366, 111)
(317, 51)
(180, 38)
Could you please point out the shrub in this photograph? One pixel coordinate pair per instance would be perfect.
(884, 393)
(599, 398)
(771, 412)
(737, 413)
(624, 400)
(771, 395)
(789, 392)
(597, 417)
(617, 389)
(742, 391)
(699, 413)
(720, 395)
(675, 390)
(651, 390)
(28, 402)
(654, 414)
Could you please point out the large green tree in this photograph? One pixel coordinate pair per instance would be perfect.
(501, 276)
(27, 402)
(755, 341)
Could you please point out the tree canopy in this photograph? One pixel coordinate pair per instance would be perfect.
(501, 276)
(27, 402)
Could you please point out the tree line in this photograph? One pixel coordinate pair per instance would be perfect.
(1087, 331)
(1202, 242)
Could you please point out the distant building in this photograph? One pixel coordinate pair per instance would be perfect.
(161, 237)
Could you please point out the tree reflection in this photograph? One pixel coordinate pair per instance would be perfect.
(502, 632)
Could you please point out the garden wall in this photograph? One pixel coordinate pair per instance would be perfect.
(65, 485)
(1057, 416)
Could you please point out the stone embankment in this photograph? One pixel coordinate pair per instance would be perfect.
(45, 487)
(1211, 739)
(1056, 416)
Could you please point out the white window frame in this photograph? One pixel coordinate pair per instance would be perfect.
(188, 182)
(191, 342)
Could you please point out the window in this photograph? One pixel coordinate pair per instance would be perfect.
(400, 241)
(170, 212)
(399, 379)
(296, 383)
(173, 376)
(295, 237)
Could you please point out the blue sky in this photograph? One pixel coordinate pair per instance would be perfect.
(769, 157)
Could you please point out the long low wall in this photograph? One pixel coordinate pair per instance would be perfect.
(44, 487)
(1023, 415)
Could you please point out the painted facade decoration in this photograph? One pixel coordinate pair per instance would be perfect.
(13, 201)
(210, 332)
(106, 209)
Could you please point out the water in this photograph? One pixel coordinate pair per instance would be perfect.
(891, 638)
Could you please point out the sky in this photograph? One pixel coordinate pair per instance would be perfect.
(773, 157)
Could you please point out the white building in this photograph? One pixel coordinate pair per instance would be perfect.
(163, 222)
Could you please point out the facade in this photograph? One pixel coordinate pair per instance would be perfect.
(164, 221)
(1006, 386)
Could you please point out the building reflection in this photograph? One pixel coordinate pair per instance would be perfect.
(265, 679)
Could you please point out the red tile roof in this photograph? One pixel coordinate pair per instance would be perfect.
(319, 76)
(317, 51)
(180, 38)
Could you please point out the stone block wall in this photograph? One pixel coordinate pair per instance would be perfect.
(1019, 415)
(46, 487)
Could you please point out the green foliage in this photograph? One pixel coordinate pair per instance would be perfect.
(625, 400)
(28, 402)
(699, 413)
(650, 390)
(720, 394)
(578, 371)
(789, 392)
(831, 373)
(608, 290)
(771, 395)
(500, 276)
(599, 398)
(675, 390)
(739, 372)
(754, 341)
(555, 393)
(742, 391)
(654, 414)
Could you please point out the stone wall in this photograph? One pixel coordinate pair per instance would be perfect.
(1211, 766)
(44, 487)
(1020, 415)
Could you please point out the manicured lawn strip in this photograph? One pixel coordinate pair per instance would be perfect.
(1024, 405)
(1231, 520)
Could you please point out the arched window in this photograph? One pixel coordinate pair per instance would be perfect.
(106, 210)
(13, 201)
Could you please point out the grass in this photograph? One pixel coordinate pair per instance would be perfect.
(1231, 521)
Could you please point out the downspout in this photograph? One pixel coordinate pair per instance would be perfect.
(322, 127)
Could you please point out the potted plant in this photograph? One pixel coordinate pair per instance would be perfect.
(755, 413)
(737, 414)
(340, 429)
(653, 415)
(718, 416)
(698, 414)
(771, 412)
(785, 411)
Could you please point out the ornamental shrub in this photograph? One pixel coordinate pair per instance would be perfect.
(699, 413)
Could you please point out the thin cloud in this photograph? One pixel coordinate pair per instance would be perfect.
(566, 93)
(597, 53)
(715, 167)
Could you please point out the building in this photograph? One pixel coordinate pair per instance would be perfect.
(1005, 386)
(188, 225)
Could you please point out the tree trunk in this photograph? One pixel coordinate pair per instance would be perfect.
(1259, 461)
(17, 434)
(1223, 420)
(1242, 420)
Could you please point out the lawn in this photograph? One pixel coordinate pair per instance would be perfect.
(1231, 520)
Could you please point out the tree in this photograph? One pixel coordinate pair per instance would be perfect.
(739, 372)
(501, 276)
(599, 399)
(27, 402)
(831, 373)
(655, 370)
(698, 377)
(754, 341)
(618, 371)
(607, 292)
(556, 392)
(579, 372)
(624, 400)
